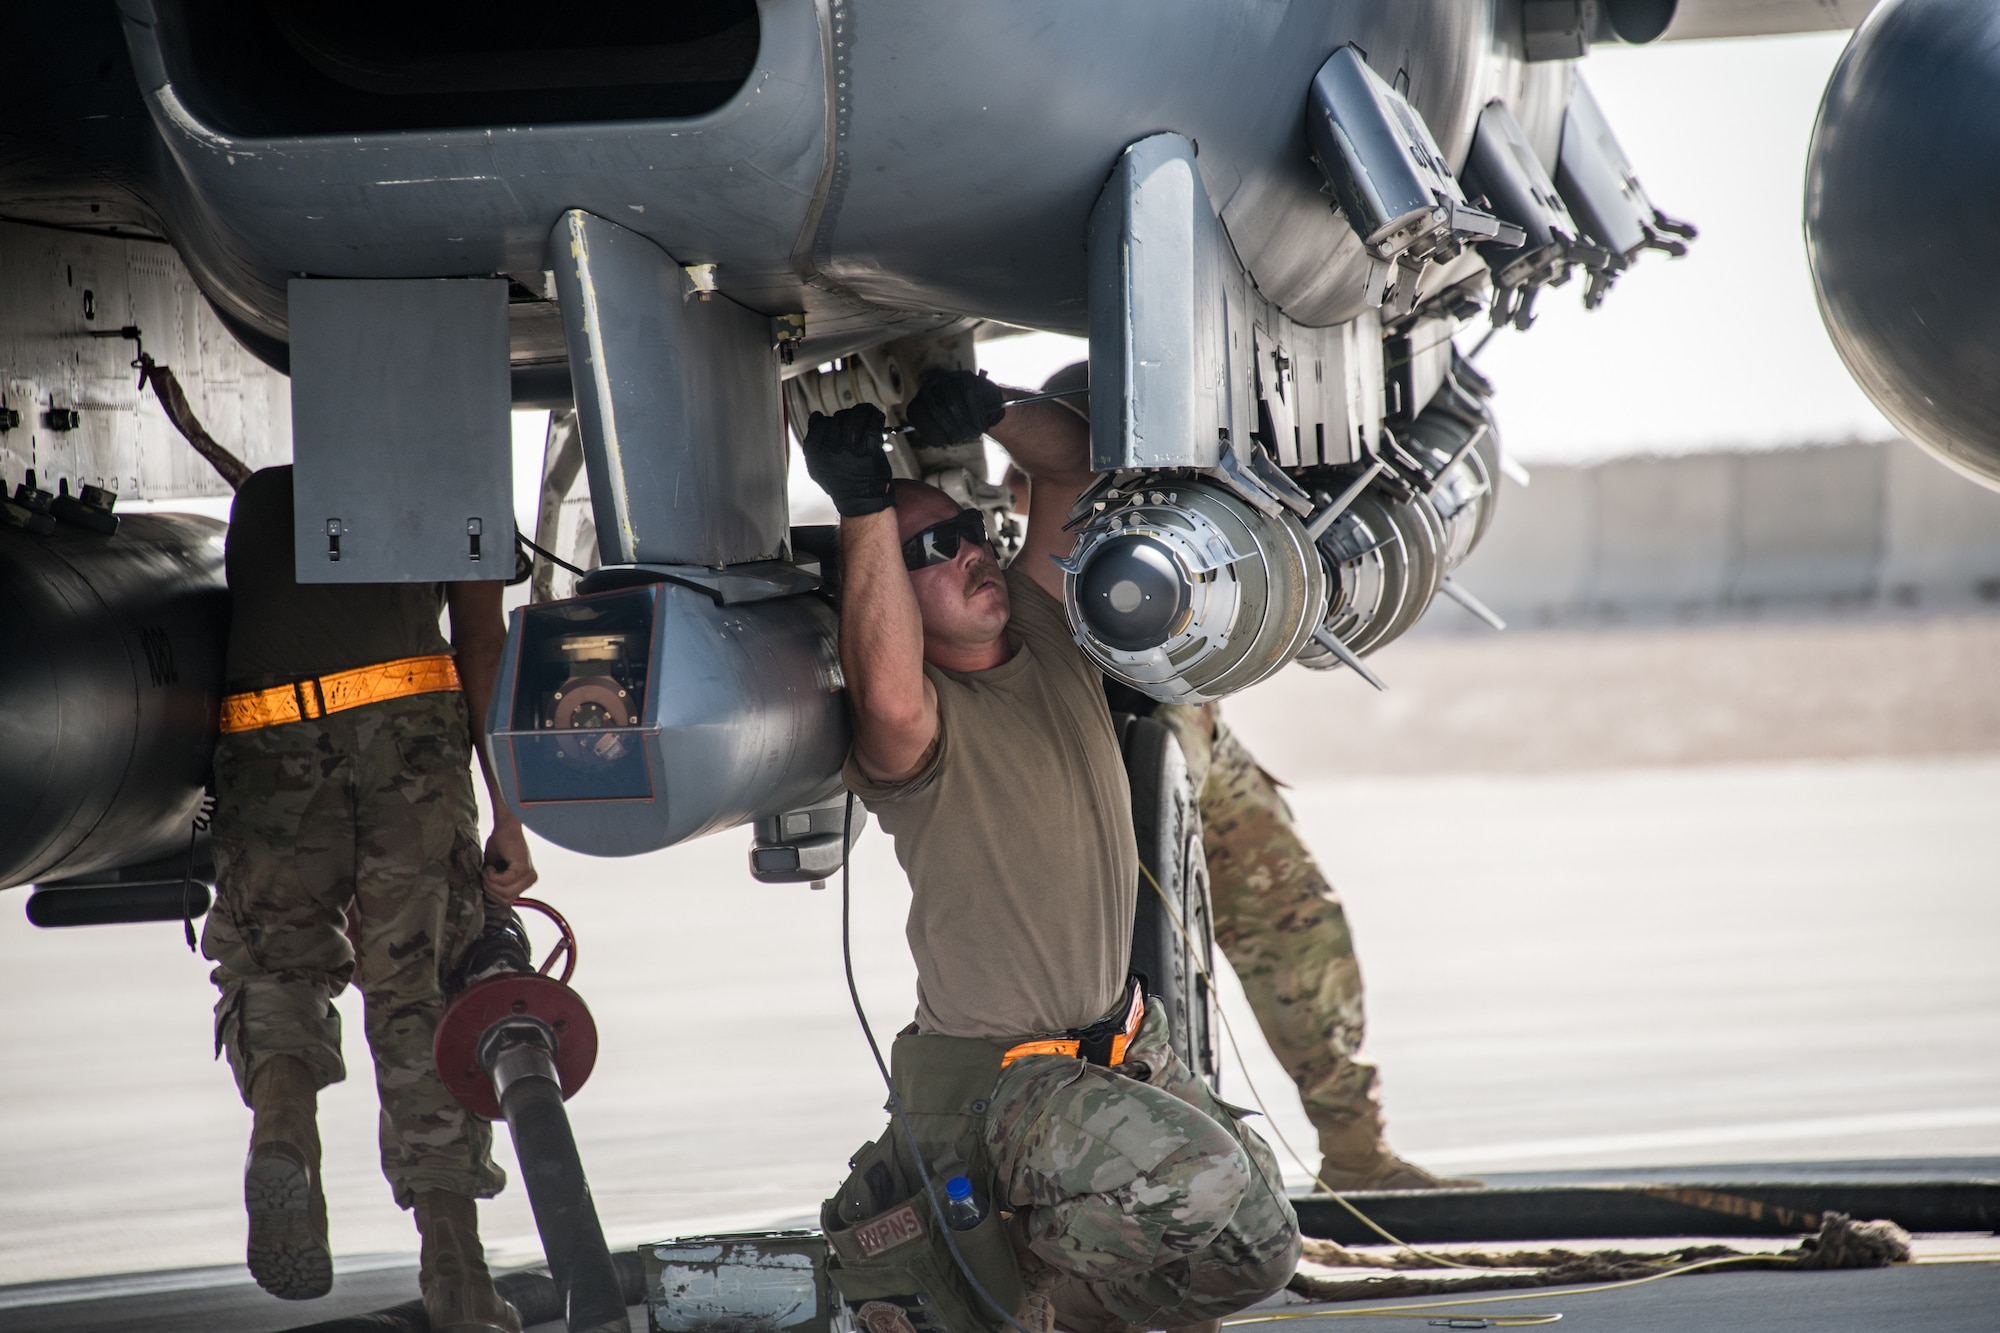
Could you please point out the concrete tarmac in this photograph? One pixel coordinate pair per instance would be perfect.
(1709, 962)
(1775, 689)
(1620, 968)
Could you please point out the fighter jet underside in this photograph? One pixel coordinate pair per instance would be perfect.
(359, 235)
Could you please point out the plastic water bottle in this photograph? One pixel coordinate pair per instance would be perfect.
(963, 1208)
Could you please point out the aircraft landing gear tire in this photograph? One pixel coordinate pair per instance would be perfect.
(1173, 942)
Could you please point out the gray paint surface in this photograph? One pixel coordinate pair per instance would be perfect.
(857, 174)
(1159, 354)
(403, 438)
(732, 187)
(677, 397)
(1183, 345)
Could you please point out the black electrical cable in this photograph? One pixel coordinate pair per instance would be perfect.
(549, 556)
(187, 887)
(895, 1102)
(1044, 397)
(204, 814)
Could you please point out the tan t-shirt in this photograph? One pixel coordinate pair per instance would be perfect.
(1017, 838)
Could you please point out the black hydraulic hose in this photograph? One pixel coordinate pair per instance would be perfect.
(572, 1237)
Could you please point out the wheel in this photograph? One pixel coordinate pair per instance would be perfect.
(1167, 820)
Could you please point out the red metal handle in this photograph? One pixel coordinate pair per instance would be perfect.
(566, 944)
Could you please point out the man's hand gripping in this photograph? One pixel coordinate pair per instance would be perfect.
(844, 457)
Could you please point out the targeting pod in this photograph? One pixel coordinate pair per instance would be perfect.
(630, 718)
(1186, 592)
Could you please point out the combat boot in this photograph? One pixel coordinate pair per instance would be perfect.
(1389, 1172)
(288, 1253)
(459, 1295)
(1357, 1156)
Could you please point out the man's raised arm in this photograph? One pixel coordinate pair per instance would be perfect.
(1049, 442)
(881, 629)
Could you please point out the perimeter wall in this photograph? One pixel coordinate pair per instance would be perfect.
(1820, 528)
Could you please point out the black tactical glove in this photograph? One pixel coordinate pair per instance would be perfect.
(955, 408)
(844, 456)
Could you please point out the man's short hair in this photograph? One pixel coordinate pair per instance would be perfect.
(1076, 375)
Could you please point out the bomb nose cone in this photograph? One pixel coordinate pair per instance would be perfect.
(1194, 593)
(1133, 593)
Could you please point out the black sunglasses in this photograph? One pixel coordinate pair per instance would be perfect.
(940, 541)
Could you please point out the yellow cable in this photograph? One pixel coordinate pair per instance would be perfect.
(1395, 1312)
(1474, 1320)
(1243, 1067)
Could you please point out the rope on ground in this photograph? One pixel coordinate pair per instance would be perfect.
(1479, 1320)
(1243, 1067)
(1332, 1254)
(1841, 1242)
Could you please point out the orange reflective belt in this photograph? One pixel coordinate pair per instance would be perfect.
(316, 696)
(1073, 1048)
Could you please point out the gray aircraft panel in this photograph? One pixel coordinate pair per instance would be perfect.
(57, 290)
(971, 145)
(973, 177)
(678, 404)
(976, 138)
(732, 187)
(400, 417)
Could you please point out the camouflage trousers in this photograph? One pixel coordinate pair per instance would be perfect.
(346, 848)
(1139, 1184)
(1282, 928)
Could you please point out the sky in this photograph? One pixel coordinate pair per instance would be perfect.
(1722, 349)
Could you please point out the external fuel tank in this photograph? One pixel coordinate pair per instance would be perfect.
(110, 676)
